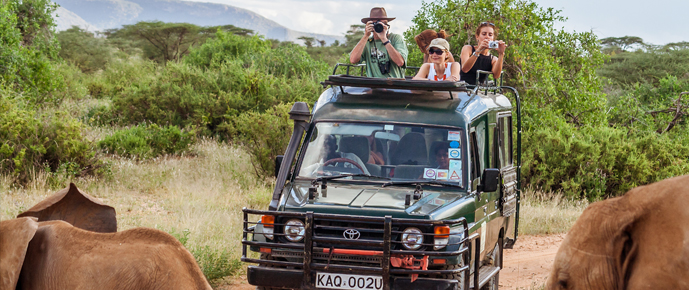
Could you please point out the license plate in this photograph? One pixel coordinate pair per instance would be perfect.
(345, 281)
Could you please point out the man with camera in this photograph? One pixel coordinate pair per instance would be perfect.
(385, 53)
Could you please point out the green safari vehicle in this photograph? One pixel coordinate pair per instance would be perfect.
(391, 184)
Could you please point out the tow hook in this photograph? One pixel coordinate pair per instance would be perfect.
(409, 262)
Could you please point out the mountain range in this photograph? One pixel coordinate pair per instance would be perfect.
(98, 15)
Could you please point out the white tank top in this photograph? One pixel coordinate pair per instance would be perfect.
(433, 77)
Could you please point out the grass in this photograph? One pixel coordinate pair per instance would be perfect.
(198, 200)
(544, 213)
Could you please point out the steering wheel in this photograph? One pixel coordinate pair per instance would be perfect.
(346, 160)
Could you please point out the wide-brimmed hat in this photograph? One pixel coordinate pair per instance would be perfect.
(439, 43)
(377, 13)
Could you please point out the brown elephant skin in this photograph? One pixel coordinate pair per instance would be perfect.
(637, 241)
(15, 235)
(77, 208)
(61, 256)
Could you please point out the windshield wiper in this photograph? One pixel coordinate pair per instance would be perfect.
(417, 182)
(325, 178)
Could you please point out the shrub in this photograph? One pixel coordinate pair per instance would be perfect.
(597, 162)
(32, 141)
(148, 141)
(265, 136)
(225, 47)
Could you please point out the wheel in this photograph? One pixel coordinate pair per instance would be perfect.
(344, 160)
(459, 276)
(265, 256)
(496, 258)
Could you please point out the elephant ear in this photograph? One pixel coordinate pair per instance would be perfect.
(15, 235)
(77, 208)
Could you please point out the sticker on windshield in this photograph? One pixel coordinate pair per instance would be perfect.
(441, 174)
(452, 135)
(455, 171)
(454, 153)
(454, 144)
(429, 173)
(389, 127)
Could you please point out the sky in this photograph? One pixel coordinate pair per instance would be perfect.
(656, 22)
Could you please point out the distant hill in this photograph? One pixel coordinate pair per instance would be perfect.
(105, 14)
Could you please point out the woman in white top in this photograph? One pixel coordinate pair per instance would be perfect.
(439, 68)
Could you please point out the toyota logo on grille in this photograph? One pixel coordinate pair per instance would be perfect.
(351, 234)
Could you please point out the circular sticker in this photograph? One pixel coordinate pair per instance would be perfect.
(454, 144)
(430, 173)
(454, 153)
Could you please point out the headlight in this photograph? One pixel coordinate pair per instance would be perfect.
(294, 230)
(412, 238)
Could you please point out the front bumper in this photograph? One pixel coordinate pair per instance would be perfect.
(293, 279)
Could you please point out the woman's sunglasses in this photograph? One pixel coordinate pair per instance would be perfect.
(487, 23)
(436, 51)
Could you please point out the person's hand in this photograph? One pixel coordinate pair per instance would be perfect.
(383, 35)
(368, 30)
(483, 45)
(501, 47)
(453, 78)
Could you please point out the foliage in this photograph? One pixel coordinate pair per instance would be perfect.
(554, 70)
(163, 42)
(597, 162)
(354, 34)
(120, 75)
(32, 141)
(628, 68)
(620, 44)
(265, 135)
(148, 141)
(84, 50)
(28, 47)
(219, 81)
(214, 263)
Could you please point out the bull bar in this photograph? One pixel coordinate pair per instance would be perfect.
(302, 274)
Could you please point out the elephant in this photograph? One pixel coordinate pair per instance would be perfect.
(61, 256)
(77, 208)
(70, 241)
(637, 241)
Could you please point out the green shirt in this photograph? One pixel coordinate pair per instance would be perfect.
(375, 48)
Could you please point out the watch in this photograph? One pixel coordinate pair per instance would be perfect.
(385, 43)
(475, 53)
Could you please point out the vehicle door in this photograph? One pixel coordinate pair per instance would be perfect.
(504, 160)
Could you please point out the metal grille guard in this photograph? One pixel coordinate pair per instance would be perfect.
(308, 265)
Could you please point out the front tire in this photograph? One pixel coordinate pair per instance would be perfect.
(496, 257)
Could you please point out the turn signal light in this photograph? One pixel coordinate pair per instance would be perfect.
(268, 221)
(442, 232)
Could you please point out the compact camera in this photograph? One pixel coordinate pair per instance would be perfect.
(493, 44)
(378, 26)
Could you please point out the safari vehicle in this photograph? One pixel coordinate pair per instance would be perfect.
(396, 184)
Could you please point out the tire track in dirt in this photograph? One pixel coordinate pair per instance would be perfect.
(526, 266)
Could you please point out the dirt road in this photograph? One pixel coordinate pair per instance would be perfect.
(526, 266)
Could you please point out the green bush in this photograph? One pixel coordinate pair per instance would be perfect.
(264, 135)
(225, 47)
(32, 141)
(597, 162)
(121, 74)
(148, 141)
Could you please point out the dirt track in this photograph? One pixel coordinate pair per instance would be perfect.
(526, 266)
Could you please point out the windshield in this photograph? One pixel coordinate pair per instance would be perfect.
(399, 152)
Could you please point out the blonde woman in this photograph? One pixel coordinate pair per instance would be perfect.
(439, 68)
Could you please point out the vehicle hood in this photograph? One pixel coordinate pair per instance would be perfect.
(357, 198)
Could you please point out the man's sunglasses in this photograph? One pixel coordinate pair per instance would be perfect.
(436, 51)
(487, 23)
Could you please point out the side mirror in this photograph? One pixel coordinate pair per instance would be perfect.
(489, 180)
(278, 163)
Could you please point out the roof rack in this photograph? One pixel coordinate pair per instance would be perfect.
(391, 83)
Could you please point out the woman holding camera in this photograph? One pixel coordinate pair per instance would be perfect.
(475, 58)
(439, 67)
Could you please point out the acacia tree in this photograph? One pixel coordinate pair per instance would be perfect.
(554, 70)
(164, 42)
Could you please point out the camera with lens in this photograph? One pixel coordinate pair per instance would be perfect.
(378, 26)
(493, 44)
